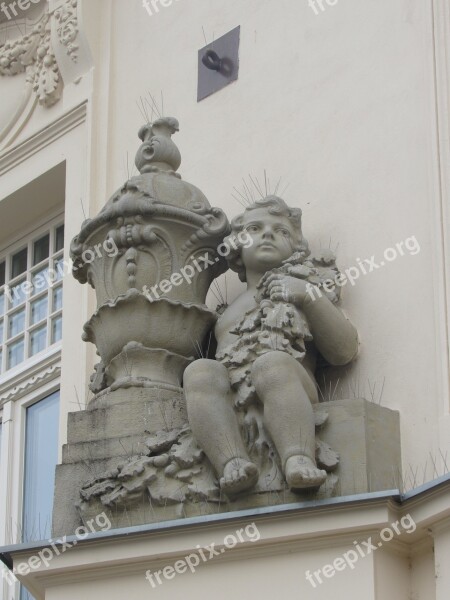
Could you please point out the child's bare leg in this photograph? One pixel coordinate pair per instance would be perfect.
(288, 416)
(214, 424)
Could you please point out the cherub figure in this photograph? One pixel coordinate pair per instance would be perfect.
(268, 341)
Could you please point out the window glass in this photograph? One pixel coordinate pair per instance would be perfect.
(38, 340)
(40, 281)
(16, 323)
(41, 249)
(19, 263)
(56, 329)
(57, 298)
(1, 432)
(18, 294)
(59, 269)
(31, 296)
(41, 455)
(59, 238)
(16, 353)
(39, 309)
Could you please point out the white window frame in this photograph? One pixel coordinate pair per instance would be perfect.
(64, 139)
(28, 383)
(28, 239)
(12, 470)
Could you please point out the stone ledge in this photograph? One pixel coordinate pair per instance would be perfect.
(366, 436)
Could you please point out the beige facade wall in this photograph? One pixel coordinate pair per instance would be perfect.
(342, 106)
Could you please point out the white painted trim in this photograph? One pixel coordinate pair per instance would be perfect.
(29, 379)
(64, 140)
(32, 370)
(47, 221)
(21, 117)
(18, 455)
(12, 157)
(11, 500)
(68, 140)
(281, 533)
(6, 475)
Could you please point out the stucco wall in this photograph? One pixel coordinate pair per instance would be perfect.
(341, 105)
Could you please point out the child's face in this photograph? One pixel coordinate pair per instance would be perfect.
(273, 240)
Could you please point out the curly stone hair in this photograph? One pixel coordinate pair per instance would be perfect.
(275, 206)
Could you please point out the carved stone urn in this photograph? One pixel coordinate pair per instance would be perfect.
(151, 314)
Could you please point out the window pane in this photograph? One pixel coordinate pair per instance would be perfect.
(59, 269)
(2, 273)
(57, 299)
(41, 455)
(56, 329)
(19, 263)
(1, 431)
(40, 281)
(41, 249)
(39, 309)
(1, 332)
(15, 353)
(59, 239)
(18, 294)
(16, 323)
(38, 340)
(25, 594)
(2, 303)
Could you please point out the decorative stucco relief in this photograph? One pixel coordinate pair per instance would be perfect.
(50, 55)
(34, 55)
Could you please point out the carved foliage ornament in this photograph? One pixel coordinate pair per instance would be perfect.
(33, 54)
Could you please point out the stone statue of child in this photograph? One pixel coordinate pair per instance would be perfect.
(268, 341)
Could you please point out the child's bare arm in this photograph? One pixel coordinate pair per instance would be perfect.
(334, 335)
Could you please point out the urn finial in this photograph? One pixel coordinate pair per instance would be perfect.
(158, 152)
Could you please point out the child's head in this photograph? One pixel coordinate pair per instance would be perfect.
(276, 232)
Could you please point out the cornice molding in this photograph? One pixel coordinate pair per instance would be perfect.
(301, 528)
(48, 134)
(441, 526)
(31, 379)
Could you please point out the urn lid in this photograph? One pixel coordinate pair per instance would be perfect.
(158, 192)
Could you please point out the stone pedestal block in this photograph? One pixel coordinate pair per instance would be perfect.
(367, 437)
(136, 460)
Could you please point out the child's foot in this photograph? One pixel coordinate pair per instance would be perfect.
(302, 473)
(239, 475)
